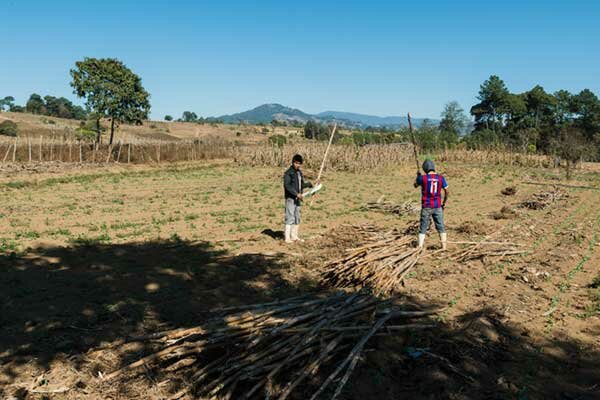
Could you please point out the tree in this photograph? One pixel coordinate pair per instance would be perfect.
(540, 105)
(111, 90)
(168, 118)
(7, 102)
(189, 116)
(571, 145)
(490, 110)
(35, 104)
(311, 129)
(17, 109)
(63, 108)
(454, 121)
(587, 108)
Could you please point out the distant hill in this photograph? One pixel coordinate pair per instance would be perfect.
(372, 120)
(269, 112)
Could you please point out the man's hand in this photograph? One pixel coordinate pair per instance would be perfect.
(418, 174)
(443, 206)
(300, 196)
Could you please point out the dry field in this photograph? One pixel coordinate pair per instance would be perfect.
(90, 256)
(35, 126)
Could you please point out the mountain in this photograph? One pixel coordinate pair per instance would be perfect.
(269, 112)
(372, 120)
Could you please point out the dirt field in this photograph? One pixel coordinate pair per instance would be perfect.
(91, 256)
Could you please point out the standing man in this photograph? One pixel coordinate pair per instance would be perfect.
(432, 204)
(293, 184)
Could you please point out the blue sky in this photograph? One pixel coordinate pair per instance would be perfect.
(376, 57)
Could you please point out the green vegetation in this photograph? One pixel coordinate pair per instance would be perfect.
(7, 102)
(561, 123)
(112, 90)
(8, 128)
(278, 140)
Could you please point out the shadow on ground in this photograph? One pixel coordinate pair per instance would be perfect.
(57, 304)
(277, 235)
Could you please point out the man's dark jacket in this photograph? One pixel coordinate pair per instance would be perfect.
(290, 184)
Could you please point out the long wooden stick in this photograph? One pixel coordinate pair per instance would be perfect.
(414, 142)
(326, 152)
(324, 159)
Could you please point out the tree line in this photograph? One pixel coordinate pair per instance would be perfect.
(561, 123)
(48, 105)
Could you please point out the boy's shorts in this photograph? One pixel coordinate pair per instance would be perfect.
(438, 219)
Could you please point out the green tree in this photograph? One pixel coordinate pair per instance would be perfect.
(490, 110)
(587, 108)
(311, 129)
(540, 105)
(168, 118)
(35, 104)
(453, 124)
(111, 90)
(8, 102)
(189, 116)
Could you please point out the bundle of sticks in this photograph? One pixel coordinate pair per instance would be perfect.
(544, 199)
(390, 207)
(485, 248)
(380, 265)
(267, 350)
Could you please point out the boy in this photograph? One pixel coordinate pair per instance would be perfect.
(293, 184)
(432, 205)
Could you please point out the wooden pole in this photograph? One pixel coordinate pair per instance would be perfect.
(7, 153)
(80, 153)
(41, 140)
(29, 146)
(324, 159)
(128, 153)
(70, 151)
(109, 152)
(414, 142)
(15, 150)
(326, 152)
(119, 152)
(52, 150)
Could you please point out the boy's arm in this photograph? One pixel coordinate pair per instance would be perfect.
(419, 180)
(445, 197)
(445, 188)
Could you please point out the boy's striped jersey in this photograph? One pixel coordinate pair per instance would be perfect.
(431, 190)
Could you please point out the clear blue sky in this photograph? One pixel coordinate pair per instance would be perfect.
(377, 57)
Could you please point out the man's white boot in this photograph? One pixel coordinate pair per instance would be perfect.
(421, 240)
(295, 233)
(288, 233)
(444, 239)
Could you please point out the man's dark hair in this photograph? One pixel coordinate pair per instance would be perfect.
(297, 158)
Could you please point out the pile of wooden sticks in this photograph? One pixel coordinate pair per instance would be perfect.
(267, 350)
(390, 207)
(543, 199)
(380, 265)
(485, 248)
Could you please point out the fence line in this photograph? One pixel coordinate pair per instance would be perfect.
(137, 151)
(341, 158)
